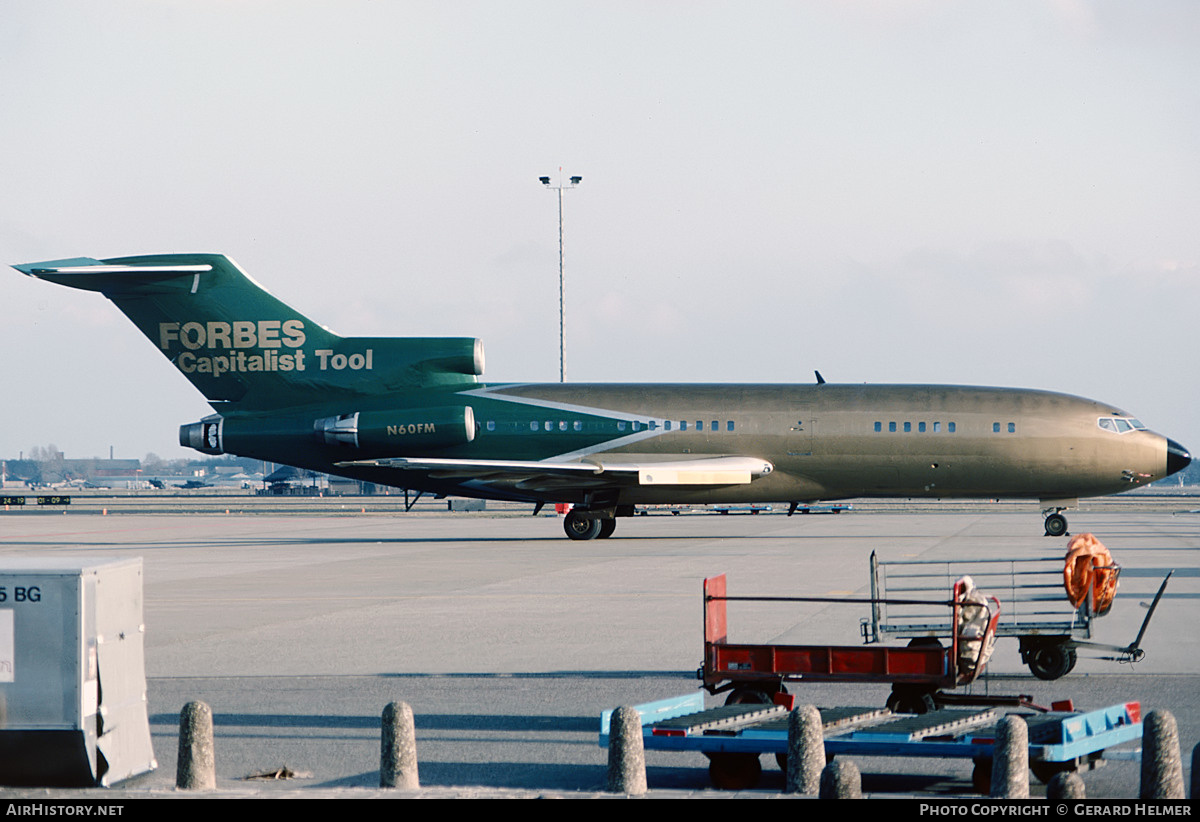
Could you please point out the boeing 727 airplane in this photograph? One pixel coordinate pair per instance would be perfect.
(412, 413)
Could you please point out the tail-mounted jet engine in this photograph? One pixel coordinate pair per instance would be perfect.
(402, 431)
(371, 433)
(206, 436)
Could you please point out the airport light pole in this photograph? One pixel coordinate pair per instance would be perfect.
(562, 347)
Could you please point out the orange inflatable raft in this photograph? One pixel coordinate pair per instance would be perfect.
(1090, 569)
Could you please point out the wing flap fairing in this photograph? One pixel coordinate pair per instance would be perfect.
(592, 471)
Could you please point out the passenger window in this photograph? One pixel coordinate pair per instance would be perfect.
(995, 428)
(533, 425)
(878, 427)
(950, 427)
(683, 425)
(1012, 428)
(578, 425)
(621, 425)
(921, 427)
(637, 424)
(653, 425)
(666, 425)
(937, 426)
(716, 426)
(729, 425)
(549, 425)
(491, 425)
(699, 425)
(892, 427)
(908, 428)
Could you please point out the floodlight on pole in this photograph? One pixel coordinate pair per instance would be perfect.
(561, 325)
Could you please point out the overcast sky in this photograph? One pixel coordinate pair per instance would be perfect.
(950, 192)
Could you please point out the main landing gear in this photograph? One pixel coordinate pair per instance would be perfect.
(585, 525)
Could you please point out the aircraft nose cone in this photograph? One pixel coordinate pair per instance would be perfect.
(1178, 457)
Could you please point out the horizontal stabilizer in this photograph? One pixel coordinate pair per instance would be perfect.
(91, 274)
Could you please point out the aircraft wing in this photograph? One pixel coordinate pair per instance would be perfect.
(591, 472)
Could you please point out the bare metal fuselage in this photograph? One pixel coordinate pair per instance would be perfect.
(824, 441)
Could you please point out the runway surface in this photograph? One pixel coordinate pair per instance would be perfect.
(508, 640)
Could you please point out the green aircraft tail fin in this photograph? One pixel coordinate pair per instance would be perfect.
(238, 344)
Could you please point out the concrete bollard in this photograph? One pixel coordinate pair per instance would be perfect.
(196, 769)
(806, 750)
(1010, 760)
(1195, 776)
(398, 748)
(1162, 765)
(841, 780)
(626, 754)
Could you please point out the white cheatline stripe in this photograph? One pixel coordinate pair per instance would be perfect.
(607, 445)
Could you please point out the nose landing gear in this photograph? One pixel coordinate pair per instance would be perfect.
(1056, 525)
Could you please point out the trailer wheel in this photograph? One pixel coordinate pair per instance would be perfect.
(910, 700)
(1050, 661)
(748, 695)
(1045, 771)
(981, 776)
(734, 771)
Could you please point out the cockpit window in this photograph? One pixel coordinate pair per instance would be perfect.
(1120, 425)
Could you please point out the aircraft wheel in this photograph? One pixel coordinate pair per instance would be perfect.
(607, 526)
(734, 771)
(1056, 525)
(580, 527)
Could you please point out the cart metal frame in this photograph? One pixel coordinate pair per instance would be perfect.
(1037, 612)
(755, 673)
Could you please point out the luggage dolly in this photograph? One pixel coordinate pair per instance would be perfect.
(918, 673)
(734, 736)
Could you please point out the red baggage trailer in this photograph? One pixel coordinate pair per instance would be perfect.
(918, 673)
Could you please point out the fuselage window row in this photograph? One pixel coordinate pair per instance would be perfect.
(921, 427)
(622, 425)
